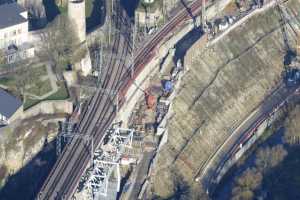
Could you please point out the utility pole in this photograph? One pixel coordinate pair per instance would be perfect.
(163, 11)
(109, 29)
(203, 14)
(111, 94)
(133, 48)
(99, 84)
(110, 21)
(87, 138)
(67, 133)
(66, 128)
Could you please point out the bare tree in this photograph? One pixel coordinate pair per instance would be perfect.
(59, 42)
(292, 133)
(37, 13)
(267, 158)
(23, 77)
(2, 58)
(246, 185)
(184, 190)
(240, 194)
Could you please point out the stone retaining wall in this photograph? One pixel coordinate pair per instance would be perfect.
(49, 107)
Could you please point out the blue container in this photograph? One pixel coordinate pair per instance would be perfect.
(168, 86)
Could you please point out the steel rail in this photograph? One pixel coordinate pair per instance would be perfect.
(85, 125)
(99, 135)
(156, 39)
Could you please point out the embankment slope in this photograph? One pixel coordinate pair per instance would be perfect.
(225, 82)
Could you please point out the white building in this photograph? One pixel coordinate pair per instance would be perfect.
(14, 31)
(11, 108)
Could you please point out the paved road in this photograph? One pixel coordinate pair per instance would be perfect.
(141, 172)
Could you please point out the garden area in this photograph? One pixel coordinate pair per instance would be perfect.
(34, 84)
(60, 94)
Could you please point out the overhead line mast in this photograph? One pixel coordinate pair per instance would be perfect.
(203, 14)
(133, 48)
(289, 52)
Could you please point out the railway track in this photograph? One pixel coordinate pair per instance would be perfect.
(113, 81)
(99, 134)
(145, 54)
(87, 124)
(273, 103)
(60, 184)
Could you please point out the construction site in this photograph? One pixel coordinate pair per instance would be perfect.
(229, 76)
(147, 121)
(149, 144)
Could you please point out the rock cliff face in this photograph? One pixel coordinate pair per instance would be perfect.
(225, 83)
(19, 143)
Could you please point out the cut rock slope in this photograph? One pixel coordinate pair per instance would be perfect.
(225, 82)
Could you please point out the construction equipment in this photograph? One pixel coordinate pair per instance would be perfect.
(291, 75)
(167, 87)
(176, 69)
(150, 99)
(161, 109)
(290, 53)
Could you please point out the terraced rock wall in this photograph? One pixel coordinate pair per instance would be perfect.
(225, 83)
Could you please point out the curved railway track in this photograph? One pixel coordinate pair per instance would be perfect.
(60, 184)
(273, 102)
(146, 53)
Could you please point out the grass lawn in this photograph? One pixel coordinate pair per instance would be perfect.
(3, 173)
(36, 73)
(35, 83)
(29, 102)
(40, 71)
(61, 94)
(7, 81)
(39, 88)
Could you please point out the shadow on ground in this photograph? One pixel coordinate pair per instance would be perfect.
(52, 9)
(97, 16)
(26, 183)
(186, 42)
(130, 6)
